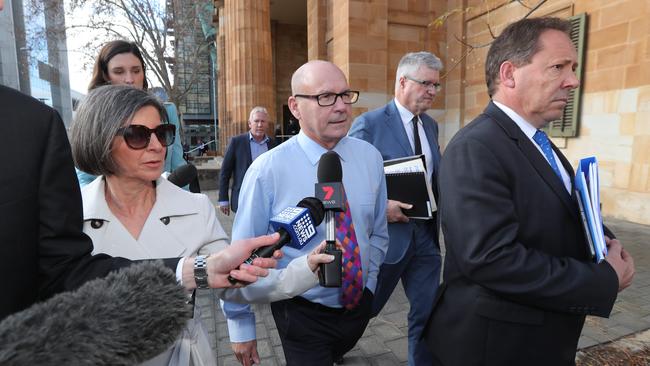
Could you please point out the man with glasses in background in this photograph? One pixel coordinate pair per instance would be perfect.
(399, 129)
(322, 324)
(241, 152)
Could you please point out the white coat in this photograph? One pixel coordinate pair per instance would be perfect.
(180, 224)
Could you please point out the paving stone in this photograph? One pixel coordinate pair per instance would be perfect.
(399, 349)
(586, 341)
(264, 348)
(385, 360)
(387, 331)
(371, 346)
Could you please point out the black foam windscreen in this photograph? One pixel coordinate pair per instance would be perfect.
(329, 168)
(183, 175)
(315, 207)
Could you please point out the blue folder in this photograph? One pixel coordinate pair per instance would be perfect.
(587, 191)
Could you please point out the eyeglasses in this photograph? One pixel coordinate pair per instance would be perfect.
(138, 137)
(427, 84)
(328, 99)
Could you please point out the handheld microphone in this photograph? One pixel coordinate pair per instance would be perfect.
(183, 175)
(296, 226)
(126, 318)
(329, 190)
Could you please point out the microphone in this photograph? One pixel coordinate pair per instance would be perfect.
(126, 318)
(329, 190)
(183, 175)
(296, 226)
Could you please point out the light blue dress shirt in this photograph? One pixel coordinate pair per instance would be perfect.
(257, 148)
(285, 175)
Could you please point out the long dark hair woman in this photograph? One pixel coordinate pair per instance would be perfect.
(121, 63)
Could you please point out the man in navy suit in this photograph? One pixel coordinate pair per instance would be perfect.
(518, 281)
(243, 149)
(402, 128)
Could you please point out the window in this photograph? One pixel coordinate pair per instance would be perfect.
(567, 126)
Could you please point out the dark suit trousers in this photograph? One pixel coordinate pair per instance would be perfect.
(314, 334)
(419, 270)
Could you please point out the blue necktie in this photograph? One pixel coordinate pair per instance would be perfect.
(542, 140)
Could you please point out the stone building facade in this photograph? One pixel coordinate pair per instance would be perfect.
(366, 38)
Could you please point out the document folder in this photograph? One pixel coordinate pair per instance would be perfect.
(407, 181)
(588, 194)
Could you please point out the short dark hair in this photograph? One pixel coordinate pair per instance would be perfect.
(110, 49)
(518, 43)
(104, 110)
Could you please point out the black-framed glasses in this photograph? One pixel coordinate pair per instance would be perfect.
(328, 99)
(138, 137)
(425, 83)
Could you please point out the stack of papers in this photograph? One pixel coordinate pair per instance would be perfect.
(587, 191)
(407, 181)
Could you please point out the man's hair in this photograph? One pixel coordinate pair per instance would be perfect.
(110, 49)
(257, 109)
(412, 61)
(518, 43)
(105, 110)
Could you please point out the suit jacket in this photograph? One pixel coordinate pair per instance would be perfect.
(43, 250)
(235, 163)
(384, 129)
(517, 281)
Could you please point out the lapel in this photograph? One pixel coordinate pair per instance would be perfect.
(536, 159)
(246, 145)
(432, 136)
(394, 123)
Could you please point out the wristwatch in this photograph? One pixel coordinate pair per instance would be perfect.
(200, 272)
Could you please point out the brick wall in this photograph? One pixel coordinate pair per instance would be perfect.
(615, 115)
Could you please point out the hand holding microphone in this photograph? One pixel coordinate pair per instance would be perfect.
(296, 226)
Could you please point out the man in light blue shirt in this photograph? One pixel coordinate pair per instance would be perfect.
(321, 330)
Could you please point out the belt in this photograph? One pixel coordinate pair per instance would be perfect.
(298, 300)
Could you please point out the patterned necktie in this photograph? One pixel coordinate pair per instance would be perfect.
(352, 287)
(416, 136)
(542, 140)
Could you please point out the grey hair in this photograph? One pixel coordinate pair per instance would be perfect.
(518, 43)
(257, 109)
(99, 116)
(412, 61)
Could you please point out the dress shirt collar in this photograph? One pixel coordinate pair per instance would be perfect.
(404, 114)
(313, 150)
(168, 201)
(252, 139)
(528, 129)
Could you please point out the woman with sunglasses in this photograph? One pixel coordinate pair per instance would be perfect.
(120, 134)
(121, 63)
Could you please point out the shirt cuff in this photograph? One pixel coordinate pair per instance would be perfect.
(242, 329)
(179, 271)
(223, 203)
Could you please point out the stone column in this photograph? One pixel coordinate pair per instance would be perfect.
(221, 79)
(317, 29)
(248, 63)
